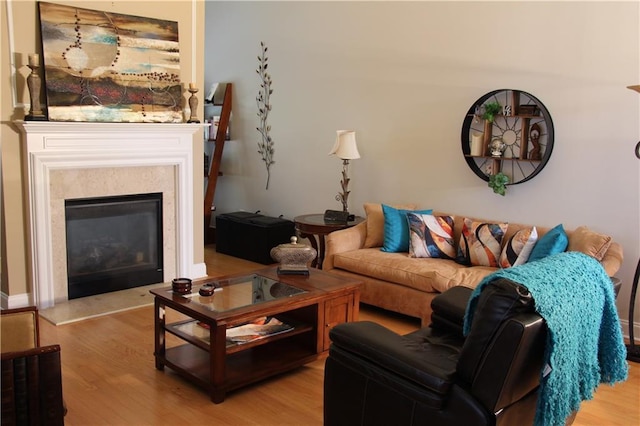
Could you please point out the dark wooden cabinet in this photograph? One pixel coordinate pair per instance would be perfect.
(337, 311)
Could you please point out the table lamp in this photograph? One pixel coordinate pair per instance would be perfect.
(345, 148)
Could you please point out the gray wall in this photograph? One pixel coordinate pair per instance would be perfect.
(403, 74)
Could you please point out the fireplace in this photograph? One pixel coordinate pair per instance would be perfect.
(113, 243)
(82, 161)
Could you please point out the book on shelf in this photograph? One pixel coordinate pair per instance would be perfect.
(257, 329)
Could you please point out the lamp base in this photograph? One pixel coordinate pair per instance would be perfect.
(633, 353)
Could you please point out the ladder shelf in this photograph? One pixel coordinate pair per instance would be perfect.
(216, 158)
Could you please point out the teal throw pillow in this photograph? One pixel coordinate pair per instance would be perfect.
(553, 242)
(396, 229)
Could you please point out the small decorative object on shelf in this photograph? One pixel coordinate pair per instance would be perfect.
(497, 147)
(476, 144)
(214, 124)
(193, 104)
(491, 109)
(529, 110)
(294, 258)
(534, 134)
(498, 183)
(34, 83)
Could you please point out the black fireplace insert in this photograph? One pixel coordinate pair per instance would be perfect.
(113, 243)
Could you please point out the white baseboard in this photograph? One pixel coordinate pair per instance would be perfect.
(15, 301)
(636, 330)
(199, 270)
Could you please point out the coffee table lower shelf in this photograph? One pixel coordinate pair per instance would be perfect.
(241, 368)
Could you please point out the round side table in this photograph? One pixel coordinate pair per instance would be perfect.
(314, 227)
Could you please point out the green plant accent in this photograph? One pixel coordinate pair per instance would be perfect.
(491, 110)
(498, 183)
(265, 147)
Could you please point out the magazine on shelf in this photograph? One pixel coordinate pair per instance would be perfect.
(259, 328)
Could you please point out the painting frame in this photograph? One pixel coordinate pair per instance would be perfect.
(110, 67)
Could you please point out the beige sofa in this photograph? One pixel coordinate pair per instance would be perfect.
(399, 283)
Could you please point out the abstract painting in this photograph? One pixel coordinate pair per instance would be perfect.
(109, 67)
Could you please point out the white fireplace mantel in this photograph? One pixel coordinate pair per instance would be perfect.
(54, 146)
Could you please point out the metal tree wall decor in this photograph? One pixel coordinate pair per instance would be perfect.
(265, 146)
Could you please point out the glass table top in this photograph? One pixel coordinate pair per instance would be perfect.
(242, 291)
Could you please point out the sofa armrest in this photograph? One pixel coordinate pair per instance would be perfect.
(612, 259)
(342, 241)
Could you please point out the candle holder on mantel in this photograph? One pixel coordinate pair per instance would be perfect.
(34, 83)
(193, 104)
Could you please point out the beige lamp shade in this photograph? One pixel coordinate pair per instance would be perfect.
(345, 146)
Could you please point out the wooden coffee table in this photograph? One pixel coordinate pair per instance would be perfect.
(312, 305)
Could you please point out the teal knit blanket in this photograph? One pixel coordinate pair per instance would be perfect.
(574, 295)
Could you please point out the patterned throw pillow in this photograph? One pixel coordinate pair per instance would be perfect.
(396, 229)
(517, 250)
(431, 236)
(480, 243)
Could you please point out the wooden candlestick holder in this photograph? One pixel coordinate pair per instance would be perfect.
(193, 105)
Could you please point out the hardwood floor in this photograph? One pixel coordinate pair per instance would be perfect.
(109, 377)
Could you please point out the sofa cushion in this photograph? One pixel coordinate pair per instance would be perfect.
(481, 243)
(553, 242)
(431, 236)
(375, 222)
(396, 229)
(589, 242)
(517, 249)
(428, 274)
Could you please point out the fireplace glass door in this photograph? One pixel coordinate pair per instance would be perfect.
(113, 243)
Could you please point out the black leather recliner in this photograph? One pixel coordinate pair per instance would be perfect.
(435, 376)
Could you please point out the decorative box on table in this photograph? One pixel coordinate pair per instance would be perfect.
(251, 236)
(294, 258)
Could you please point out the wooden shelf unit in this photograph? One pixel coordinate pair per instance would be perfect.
(214, 168)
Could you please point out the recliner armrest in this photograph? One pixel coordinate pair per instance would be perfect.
(519, 343)
(428, 359)
(448, 309)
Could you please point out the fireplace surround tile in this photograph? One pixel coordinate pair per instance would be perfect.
(105, 182)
